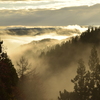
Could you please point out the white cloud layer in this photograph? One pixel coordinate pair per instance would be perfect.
(44, 4)
(12, 41)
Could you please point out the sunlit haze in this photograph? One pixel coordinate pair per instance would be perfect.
(14, 41)
(52, 35)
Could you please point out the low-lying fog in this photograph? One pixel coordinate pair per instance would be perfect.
(30, 42)
(13, 37)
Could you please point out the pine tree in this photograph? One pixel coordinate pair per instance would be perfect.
(95, 74)
(8, 77)
(93, 60)
(79, 81)
(64, 96)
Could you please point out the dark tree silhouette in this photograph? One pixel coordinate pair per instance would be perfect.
(8, 77)
(68, 95)
(95, 74)
(93, 60)
(79, 81)
(64, 96)
(64, 54)
(23, 67)
(86, 83)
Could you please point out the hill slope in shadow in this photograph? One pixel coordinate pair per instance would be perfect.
(67, 54)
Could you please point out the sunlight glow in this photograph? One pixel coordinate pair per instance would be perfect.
(14, 41)
(45, 4)
(81, 29)
(51, 37)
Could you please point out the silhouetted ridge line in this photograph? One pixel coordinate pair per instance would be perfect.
(61, 56)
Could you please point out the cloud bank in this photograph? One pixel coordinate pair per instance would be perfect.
(45, 4)
(83, 15)
(15, 36)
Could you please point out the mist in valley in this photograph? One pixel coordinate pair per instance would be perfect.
(52, 53)
(30, 42)
(49, 50)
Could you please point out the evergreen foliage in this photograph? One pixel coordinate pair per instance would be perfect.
(61, 56)
(94, 60)
(79, 81)
(86, 83)
(8, 77)
(68, 95)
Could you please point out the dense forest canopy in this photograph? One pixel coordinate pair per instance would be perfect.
(61, 56)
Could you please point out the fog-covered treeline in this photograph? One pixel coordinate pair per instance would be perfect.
(22, 83)
(15, 36)
(44, 75)
(62, 56)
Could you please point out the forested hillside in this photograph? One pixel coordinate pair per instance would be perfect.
(69, 52)
(55, 65)
(86, 82)
(21, 83)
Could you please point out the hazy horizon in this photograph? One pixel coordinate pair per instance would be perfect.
(31, 28)
(13, 40)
